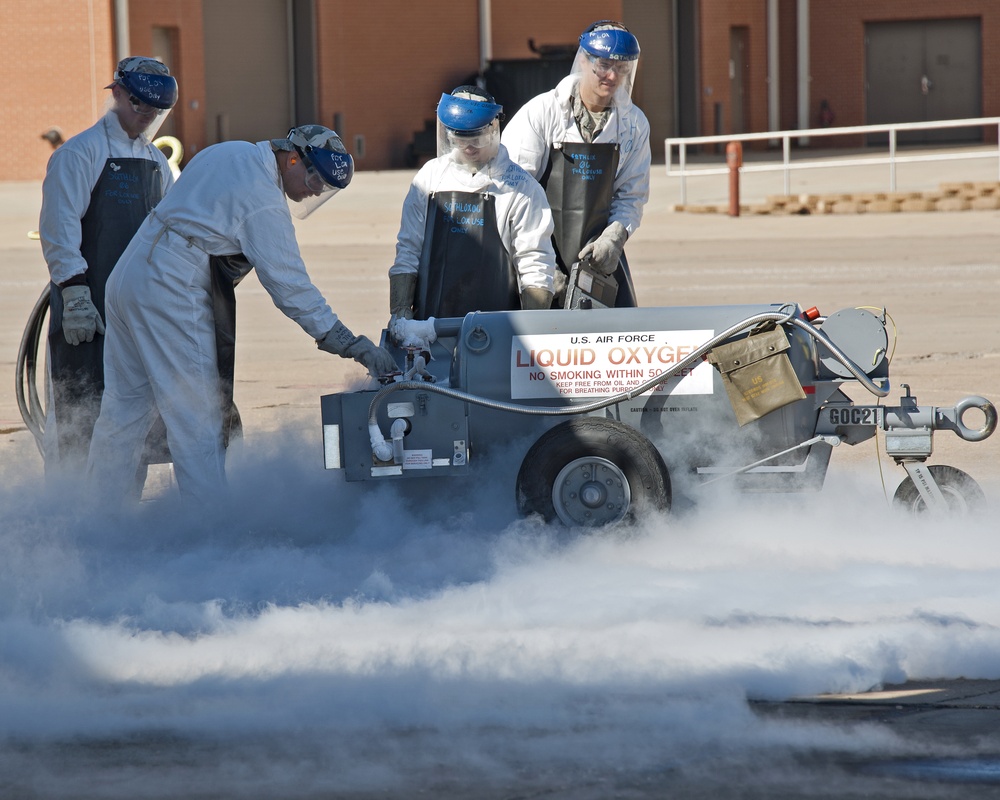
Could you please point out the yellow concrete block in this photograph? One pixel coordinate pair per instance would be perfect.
(916, 204)
(987, 203)
(954, 187)
(882, 206)
(952, 204)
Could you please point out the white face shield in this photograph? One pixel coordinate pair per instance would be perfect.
(468, 127)
(472, 149)
(605, 64)
(328, 166)
(146, 93)
(155, 116)
(604, 81)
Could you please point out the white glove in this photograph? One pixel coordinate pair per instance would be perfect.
(340, 341)
(605, 251)
(80, 320)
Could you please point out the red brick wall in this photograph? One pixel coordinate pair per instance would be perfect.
(55, 57)
(717, 18)
(836, 57)
(836, 32)
(551, 22)
(383, 64)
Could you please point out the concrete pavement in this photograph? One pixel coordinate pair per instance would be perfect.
(938, 274)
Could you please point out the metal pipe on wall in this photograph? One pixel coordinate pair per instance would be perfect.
(773, 68)
(485, 35)
(122, 45)
(802, 33)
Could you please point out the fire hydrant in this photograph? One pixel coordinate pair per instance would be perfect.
(734, 159)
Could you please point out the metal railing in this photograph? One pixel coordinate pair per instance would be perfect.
(786, 165)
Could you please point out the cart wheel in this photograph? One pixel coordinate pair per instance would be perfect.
(591, 471)
(961, 492)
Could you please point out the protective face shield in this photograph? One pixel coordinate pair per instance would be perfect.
(468, 127)
(329, 167)
(606, 61)
(151, 89)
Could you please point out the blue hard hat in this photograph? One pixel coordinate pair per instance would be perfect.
(322, 150)
(466, 114)
(148, 80)
(611, 40)
(334, 168)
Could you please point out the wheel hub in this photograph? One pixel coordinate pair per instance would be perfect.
(590, 492)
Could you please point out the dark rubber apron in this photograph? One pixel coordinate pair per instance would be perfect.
(227, 272)
(579, 183)
(464, 266)
(126, 191)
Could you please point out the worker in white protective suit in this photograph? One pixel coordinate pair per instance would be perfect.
(588, 145)
(171, 300)
(476, 230)
(98, 188)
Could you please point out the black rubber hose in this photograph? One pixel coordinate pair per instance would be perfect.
(26, 385)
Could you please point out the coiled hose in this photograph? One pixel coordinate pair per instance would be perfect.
(29, 401)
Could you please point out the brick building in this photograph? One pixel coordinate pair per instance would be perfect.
(373, 70)
(768, 64)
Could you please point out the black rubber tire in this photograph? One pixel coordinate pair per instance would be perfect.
(615, 466)
(960, 491)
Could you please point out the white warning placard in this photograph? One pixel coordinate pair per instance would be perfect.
(600, 364)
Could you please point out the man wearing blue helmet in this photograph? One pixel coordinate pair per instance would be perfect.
(171, 308)
(98, 188)
(476, 229)
(588, 145)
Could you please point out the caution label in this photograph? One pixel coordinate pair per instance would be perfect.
(601, 364)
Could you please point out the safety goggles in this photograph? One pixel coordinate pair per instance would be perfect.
(140, 107)
(479, 138)
(605, 66)
(314, 180)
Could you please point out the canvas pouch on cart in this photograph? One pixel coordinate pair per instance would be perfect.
(757, 374)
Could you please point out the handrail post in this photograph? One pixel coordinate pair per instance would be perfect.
(786, 147)
(734, 159)
(892, 159)
(682, 155)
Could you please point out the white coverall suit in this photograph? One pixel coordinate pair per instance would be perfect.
(548, 118)
(98, 187)
(72, 172)
(160, 351)
(524, 220)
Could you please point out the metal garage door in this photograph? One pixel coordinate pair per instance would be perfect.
(250, 90)
(918, 71)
